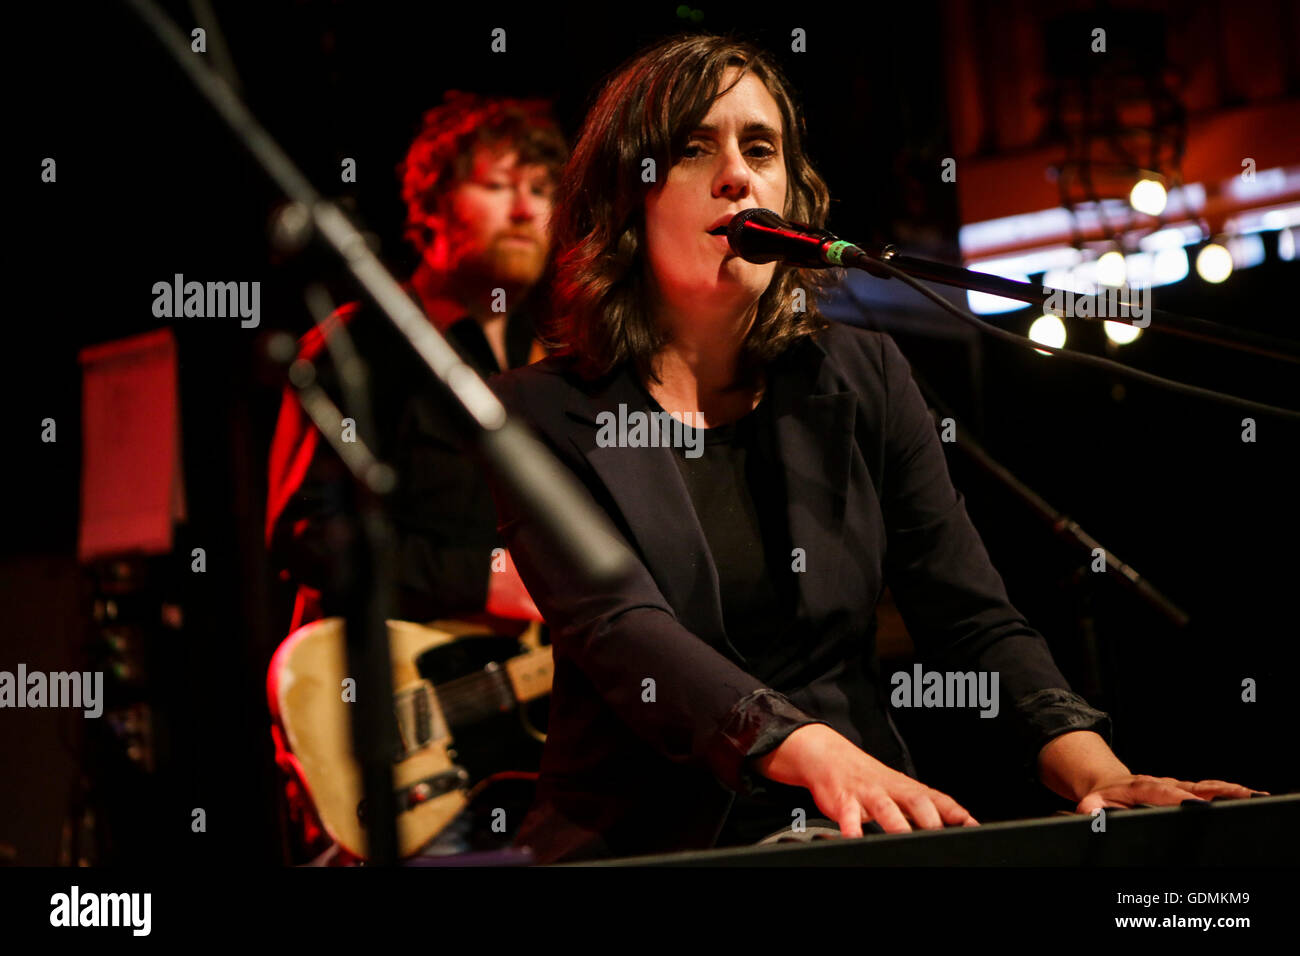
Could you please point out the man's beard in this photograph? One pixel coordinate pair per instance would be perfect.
(504, 264)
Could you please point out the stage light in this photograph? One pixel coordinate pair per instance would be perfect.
(1111, 269)
(1149, 196)
(1121, 333)
(1214, 263)
(1048, 329)
(1246, 251)
(1169, 266)
(1286, 245)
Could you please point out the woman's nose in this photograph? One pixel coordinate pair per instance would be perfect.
(733, 177)
(737, 189)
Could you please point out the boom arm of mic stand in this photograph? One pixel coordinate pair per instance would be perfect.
(1061, 525)
(1243, 340)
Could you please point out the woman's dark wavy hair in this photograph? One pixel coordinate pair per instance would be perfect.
(648, 109)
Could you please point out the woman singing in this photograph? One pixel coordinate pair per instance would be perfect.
(733, 681)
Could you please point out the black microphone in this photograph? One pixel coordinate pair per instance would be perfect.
(760, 235)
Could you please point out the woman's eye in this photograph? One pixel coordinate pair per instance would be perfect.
(760, 151)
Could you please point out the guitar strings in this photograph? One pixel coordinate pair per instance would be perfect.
(471, 692)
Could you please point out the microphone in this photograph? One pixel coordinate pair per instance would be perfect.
(760, 235)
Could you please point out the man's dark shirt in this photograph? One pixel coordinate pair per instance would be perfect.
(442, 510)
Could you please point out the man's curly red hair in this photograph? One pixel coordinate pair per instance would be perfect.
(442, 153)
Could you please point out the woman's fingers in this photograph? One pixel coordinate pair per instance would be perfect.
(928, 809)
(1216, 788)
(850, 818)
(1156, 791)
(1095, 801)
(860, 789)
(952, 811)
(1161, 792)
(921, 809)
(933, 809)
(883, 810)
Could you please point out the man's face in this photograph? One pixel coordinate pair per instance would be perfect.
(492, 227)
(734, 161)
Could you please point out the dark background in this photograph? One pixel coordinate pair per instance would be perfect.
(150, 184)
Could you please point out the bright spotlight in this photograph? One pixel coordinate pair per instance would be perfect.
(1048, 329)
(1121, 333)
(1111, 269)
(1214, 263)
(1169, 266)
(1148, 196)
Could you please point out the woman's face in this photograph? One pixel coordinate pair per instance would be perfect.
(734, 161)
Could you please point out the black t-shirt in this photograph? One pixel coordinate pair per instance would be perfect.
(442, 509)
(737, 486)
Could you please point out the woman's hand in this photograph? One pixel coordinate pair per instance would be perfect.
(1128, 790)
(850, 786)
(1080, 766)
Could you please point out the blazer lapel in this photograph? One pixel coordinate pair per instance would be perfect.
(813, 418)
(814, 423)
(648, 489)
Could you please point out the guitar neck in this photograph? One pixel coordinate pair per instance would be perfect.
(498, 688)
(530, 674)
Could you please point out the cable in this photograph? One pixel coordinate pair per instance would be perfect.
(1096, 361)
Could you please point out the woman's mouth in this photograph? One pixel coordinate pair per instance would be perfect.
(720, 237)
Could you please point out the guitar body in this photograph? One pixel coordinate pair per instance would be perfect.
(449, 676)
(490, 721)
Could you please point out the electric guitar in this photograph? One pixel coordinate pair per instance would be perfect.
(446, 676)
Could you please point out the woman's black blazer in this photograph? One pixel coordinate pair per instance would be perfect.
(653, 716)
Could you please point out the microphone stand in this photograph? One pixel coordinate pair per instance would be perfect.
(759, 235)
(1096, 676)
(526, 470)
(1243, 340)
(1061, 525)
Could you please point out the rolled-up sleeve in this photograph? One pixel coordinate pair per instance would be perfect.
(757, 725)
